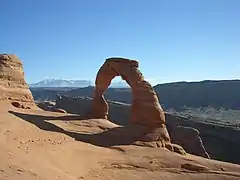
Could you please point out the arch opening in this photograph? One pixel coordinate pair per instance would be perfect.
(146, 112)
(145, 107)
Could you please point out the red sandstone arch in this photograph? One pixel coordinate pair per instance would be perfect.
(145, 109)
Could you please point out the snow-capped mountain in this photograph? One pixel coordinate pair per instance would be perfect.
(119, 84)
(73, 83)
(62, 83)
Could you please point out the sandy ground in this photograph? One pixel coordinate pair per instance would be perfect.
(36, 144)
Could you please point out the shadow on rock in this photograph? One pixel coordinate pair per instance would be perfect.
(115, 136)
(47, 118)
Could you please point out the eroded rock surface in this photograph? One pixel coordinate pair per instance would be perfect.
(188, 137)
(12, 82)
(20, 105)
(118, 112)
(145, 110)
(44, 145)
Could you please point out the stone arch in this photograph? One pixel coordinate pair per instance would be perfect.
(147, 115)
(145, 109)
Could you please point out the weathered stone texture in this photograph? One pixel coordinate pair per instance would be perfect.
(12, 82)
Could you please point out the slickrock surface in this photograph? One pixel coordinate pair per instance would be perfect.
(119, 113)
(36, 144)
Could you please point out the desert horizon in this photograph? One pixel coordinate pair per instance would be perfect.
(112, 90)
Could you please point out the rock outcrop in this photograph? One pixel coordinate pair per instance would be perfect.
(187, 137)
(118, 112)
(219, 140)
(145, 110)
(50, 106)
(190, 139)
(12, 83)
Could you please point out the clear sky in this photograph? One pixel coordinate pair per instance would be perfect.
(174, 40)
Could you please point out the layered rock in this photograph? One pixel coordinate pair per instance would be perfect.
(12, 82)
(190, 139)
(145, 110)
(219, 140)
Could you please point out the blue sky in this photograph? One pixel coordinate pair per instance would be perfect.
(172, 40)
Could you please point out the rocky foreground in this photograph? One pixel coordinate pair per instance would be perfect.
(200, 138)
(35, 144)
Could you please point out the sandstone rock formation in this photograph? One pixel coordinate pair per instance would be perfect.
(190, 139)
(12, 83)
(20, 105)
(50, 106)
(118, 112)
(187, 137)
(45, 145)
(145, 109)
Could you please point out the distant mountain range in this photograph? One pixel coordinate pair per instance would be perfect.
(224, 93)
(60, 83)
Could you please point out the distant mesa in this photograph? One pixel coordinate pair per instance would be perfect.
(13, 86)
